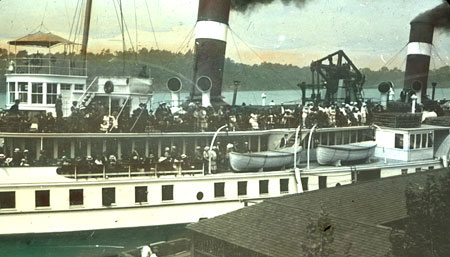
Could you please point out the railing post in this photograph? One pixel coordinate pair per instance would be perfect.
(104, 171)
(76, 172)
(129, 170)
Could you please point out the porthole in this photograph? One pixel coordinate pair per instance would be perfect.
(199, 196)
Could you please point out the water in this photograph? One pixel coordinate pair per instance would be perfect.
(98, 243)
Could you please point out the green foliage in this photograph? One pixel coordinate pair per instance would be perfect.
(319, 237)
(427, 229)
(265, 76)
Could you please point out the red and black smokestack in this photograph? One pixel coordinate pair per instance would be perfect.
(210, 44)
(418, 60)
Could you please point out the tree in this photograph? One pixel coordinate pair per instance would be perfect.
(319, 237)
(427, 229)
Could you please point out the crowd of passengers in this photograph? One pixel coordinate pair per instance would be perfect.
(171, 159)
(193, 117)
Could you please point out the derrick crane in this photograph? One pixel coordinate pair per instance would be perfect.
(339, 76)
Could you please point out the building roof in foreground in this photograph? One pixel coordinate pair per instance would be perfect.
(277, 227)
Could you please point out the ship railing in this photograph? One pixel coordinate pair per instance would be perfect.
(129, 170)
(47, 66)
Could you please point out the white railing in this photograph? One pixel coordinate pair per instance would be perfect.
(47, 66)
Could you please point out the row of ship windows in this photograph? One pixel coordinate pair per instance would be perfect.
(76, 196)
(37, 91)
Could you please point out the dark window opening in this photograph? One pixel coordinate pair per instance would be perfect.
(404, 171)
(140, 194)
(430, 139)
(284, 185)
(108, 196)
(431, 167)
(424, 140)
(7, 200)
(418, 169)
(322, 182)
(42, 198)
(305, 183)
(367, 175)
(167, 192)
(76, 196)
(263, 187)
(242, 188)
(399, 141)
(219, 189)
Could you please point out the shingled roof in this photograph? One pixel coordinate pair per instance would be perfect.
(277, 227)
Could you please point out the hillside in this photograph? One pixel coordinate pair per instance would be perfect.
(265, 76)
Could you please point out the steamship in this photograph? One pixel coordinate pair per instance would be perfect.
(39, 200)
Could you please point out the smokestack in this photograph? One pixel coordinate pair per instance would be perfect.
(174, 85)
(210, 44)
(204, 84)
(418, 60)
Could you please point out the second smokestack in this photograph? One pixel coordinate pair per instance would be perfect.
(418, 60)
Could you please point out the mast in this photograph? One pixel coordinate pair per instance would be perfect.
(87, 23)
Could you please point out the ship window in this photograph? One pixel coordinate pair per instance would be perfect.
(404, 171)
(284, 185)
(52, 91)
(79, 87)
(7, 200)
(399, 141)
(167, 192)
(419, 169)
(305, 183)
(242, 188)
(65, 86)
(140, 194)
(12, 92)
(36, 93)
(322, 182)
(411, 141)
(76, 196)
(430, 139)
(424, 140)
(219, 189)
(263, 187)
(23, 92)
(108, 196)
(431, 167)
(418, 141)
(42, 198)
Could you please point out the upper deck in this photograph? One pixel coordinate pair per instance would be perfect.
(48, 65)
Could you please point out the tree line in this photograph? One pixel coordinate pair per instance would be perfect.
(264, 76)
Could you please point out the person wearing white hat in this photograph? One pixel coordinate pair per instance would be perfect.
(2, 160)
(206, 153)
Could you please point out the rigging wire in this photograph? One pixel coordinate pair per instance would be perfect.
(136, 26)
(256, 54)
(389, 62)
(186, 40)
(151, 24)
(436, 51)
(43, 15)
(67, 13)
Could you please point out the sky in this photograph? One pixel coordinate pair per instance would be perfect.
(371, 32)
